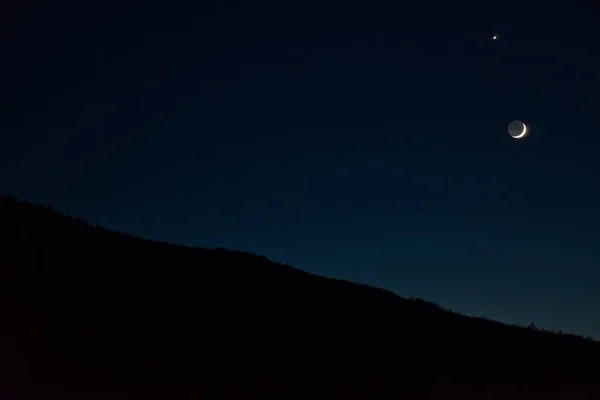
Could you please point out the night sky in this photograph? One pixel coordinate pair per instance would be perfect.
(365, 141)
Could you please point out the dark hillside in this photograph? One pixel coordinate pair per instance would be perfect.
(87, 310)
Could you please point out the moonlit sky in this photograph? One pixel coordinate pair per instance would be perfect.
(361, 141)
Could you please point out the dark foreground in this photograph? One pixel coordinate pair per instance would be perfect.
(88, 313)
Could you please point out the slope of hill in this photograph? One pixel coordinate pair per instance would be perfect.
(92, 313)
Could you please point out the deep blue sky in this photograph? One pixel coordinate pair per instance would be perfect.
(365, 141)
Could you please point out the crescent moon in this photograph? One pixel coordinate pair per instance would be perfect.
(522, 134)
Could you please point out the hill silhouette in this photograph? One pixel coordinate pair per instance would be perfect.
(87, 312)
